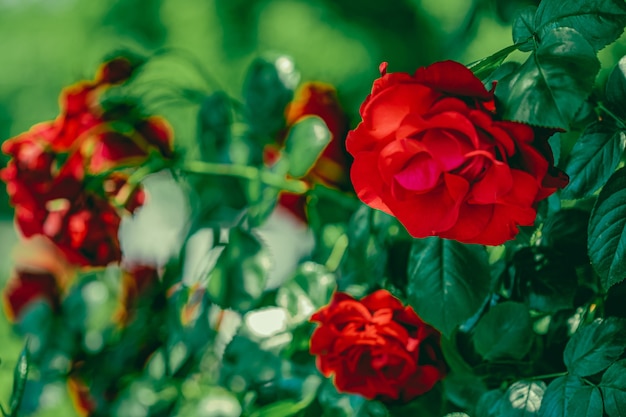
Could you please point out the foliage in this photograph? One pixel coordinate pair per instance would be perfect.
(205, 300)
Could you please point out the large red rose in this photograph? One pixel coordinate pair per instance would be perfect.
(432, 152)
(376, 347)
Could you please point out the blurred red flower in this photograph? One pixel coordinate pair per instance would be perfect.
(317, 99)
(64, 177)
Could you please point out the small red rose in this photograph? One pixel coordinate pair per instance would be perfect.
(376, 347)
(432, 152)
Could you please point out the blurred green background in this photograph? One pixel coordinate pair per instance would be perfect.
(48, 44)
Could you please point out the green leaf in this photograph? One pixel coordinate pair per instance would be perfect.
(523, 28)
(268, 88)
(523, 399)
(596, 346)
(214, 119)
(464, 390)
(585, 402)
(448, 281)
(613, 386)
(594, 158)
(238, 280)
(545, 279)
(305, 143)
(20, 376)
(483, 67)
(489, 404)
(550, 87)
(569, 396)
(607, 231)
(566, 232)
(556, 398)
(600, 22)
(615, 90)
(452, 355)
(504, 332)
(310, 289)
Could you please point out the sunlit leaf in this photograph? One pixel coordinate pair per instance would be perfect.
(523, 399)
(305, 142)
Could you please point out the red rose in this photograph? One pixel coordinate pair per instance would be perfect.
(25, 287)
(63, 177)
(376, 347)
(431, 152)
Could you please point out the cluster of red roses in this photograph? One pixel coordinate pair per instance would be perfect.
(66, 175)
(432, 152)
(68, 180)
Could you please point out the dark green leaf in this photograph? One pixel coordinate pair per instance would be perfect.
(569, 396)
(448, 281)
(566, 232)
(464, 390)
(310, 289)
(305, 143)
(585, 402)
(599, 21)
(504, 332)
(238, 280)
(550, 87)
(522, 399)
(544, 278)
(607, 231)
(489, 404)
(268, 88)
(523, 28)
(452, 355)
(616, 88)
(214, 119)
(613, 386)
(594, 158)
(596, 346)
(556, 398)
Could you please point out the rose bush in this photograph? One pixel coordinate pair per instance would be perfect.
(432, 152)
(376, 347)
(66, 177)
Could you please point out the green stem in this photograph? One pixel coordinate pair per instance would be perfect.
(547, 376)
(618, 120)
(248, 173)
